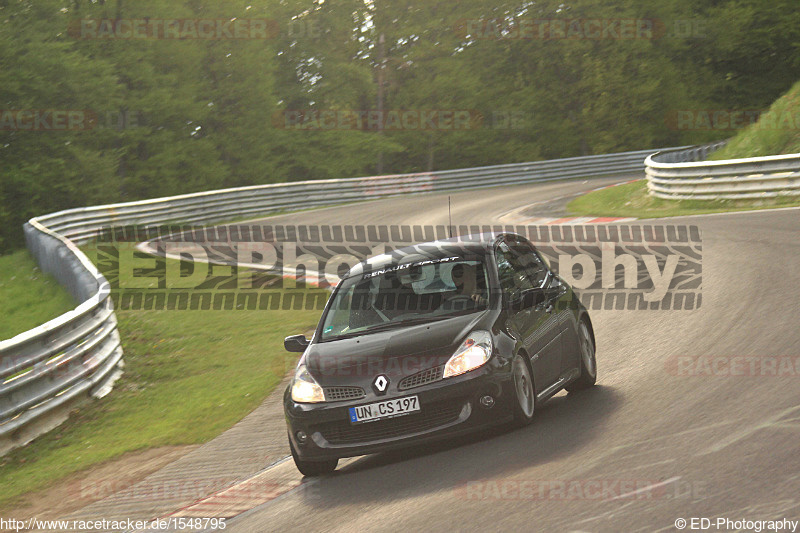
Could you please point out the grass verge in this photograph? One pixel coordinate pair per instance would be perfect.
(189, 376)
(28, 297)
(776, 131)
(632, 200)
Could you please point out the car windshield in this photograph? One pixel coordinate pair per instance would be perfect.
(405, 294)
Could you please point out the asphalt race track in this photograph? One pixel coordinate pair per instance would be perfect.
(644, 448)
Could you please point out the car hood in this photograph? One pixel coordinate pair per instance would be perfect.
(394, 353)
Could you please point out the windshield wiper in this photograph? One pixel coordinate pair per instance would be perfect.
(406, 322)
(468, 311)
(389, 325)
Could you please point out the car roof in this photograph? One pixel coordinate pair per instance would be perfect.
(468, 246)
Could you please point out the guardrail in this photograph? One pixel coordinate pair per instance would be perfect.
(82, 224)
(47, 368)
(684, 175)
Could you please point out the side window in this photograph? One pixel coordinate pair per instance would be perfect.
(531, 264)
(512, 272)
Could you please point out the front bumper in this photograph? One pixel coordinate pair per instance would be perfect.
(447, 407)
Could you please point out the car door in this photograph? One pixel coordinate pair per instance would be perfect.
(558, 301)
(537, 327)
(561, 298)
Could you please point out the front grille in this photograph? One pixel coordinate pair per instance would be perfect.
(338, 394)
(421, 378)
(430, 417)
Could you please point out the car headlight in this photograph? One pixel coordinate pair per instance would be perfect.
(473, 352)
(305, 388)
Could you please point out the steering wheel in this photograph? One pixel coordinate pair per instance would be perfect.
(459, 297)
(451, 301)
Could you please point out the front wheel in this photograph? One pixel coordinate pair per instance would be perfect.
(312, 468)
(588, 375)
(524, 392)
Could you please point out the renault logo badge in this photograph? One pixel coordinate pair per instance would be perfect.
(380, 385)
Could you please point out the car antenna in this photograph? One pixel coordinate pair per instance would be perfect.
(449, 217)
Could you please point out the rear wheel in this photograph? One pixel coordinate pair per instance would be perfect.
(312, 468)
(588, 375)
(524, 392)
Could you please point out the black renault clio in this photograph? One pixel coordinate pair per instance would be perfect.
(434, 340)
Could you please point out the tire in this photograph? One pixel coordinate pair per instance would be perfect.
(588, 375)
(312, 468)
(525, 403)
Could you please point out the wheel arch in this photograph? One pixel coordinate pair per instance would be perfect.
(584, 317)
(527, 358)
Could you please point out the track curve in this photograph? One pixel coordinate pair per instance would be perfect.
(685, 446)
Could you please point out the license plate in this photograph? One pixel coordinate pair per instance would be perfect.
(385, 409)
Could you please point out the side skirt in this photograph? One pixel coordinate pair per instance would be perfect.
(568, 376)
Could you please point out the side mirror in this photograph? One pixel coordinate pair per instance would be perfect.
(529, 298)
(295, 343)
